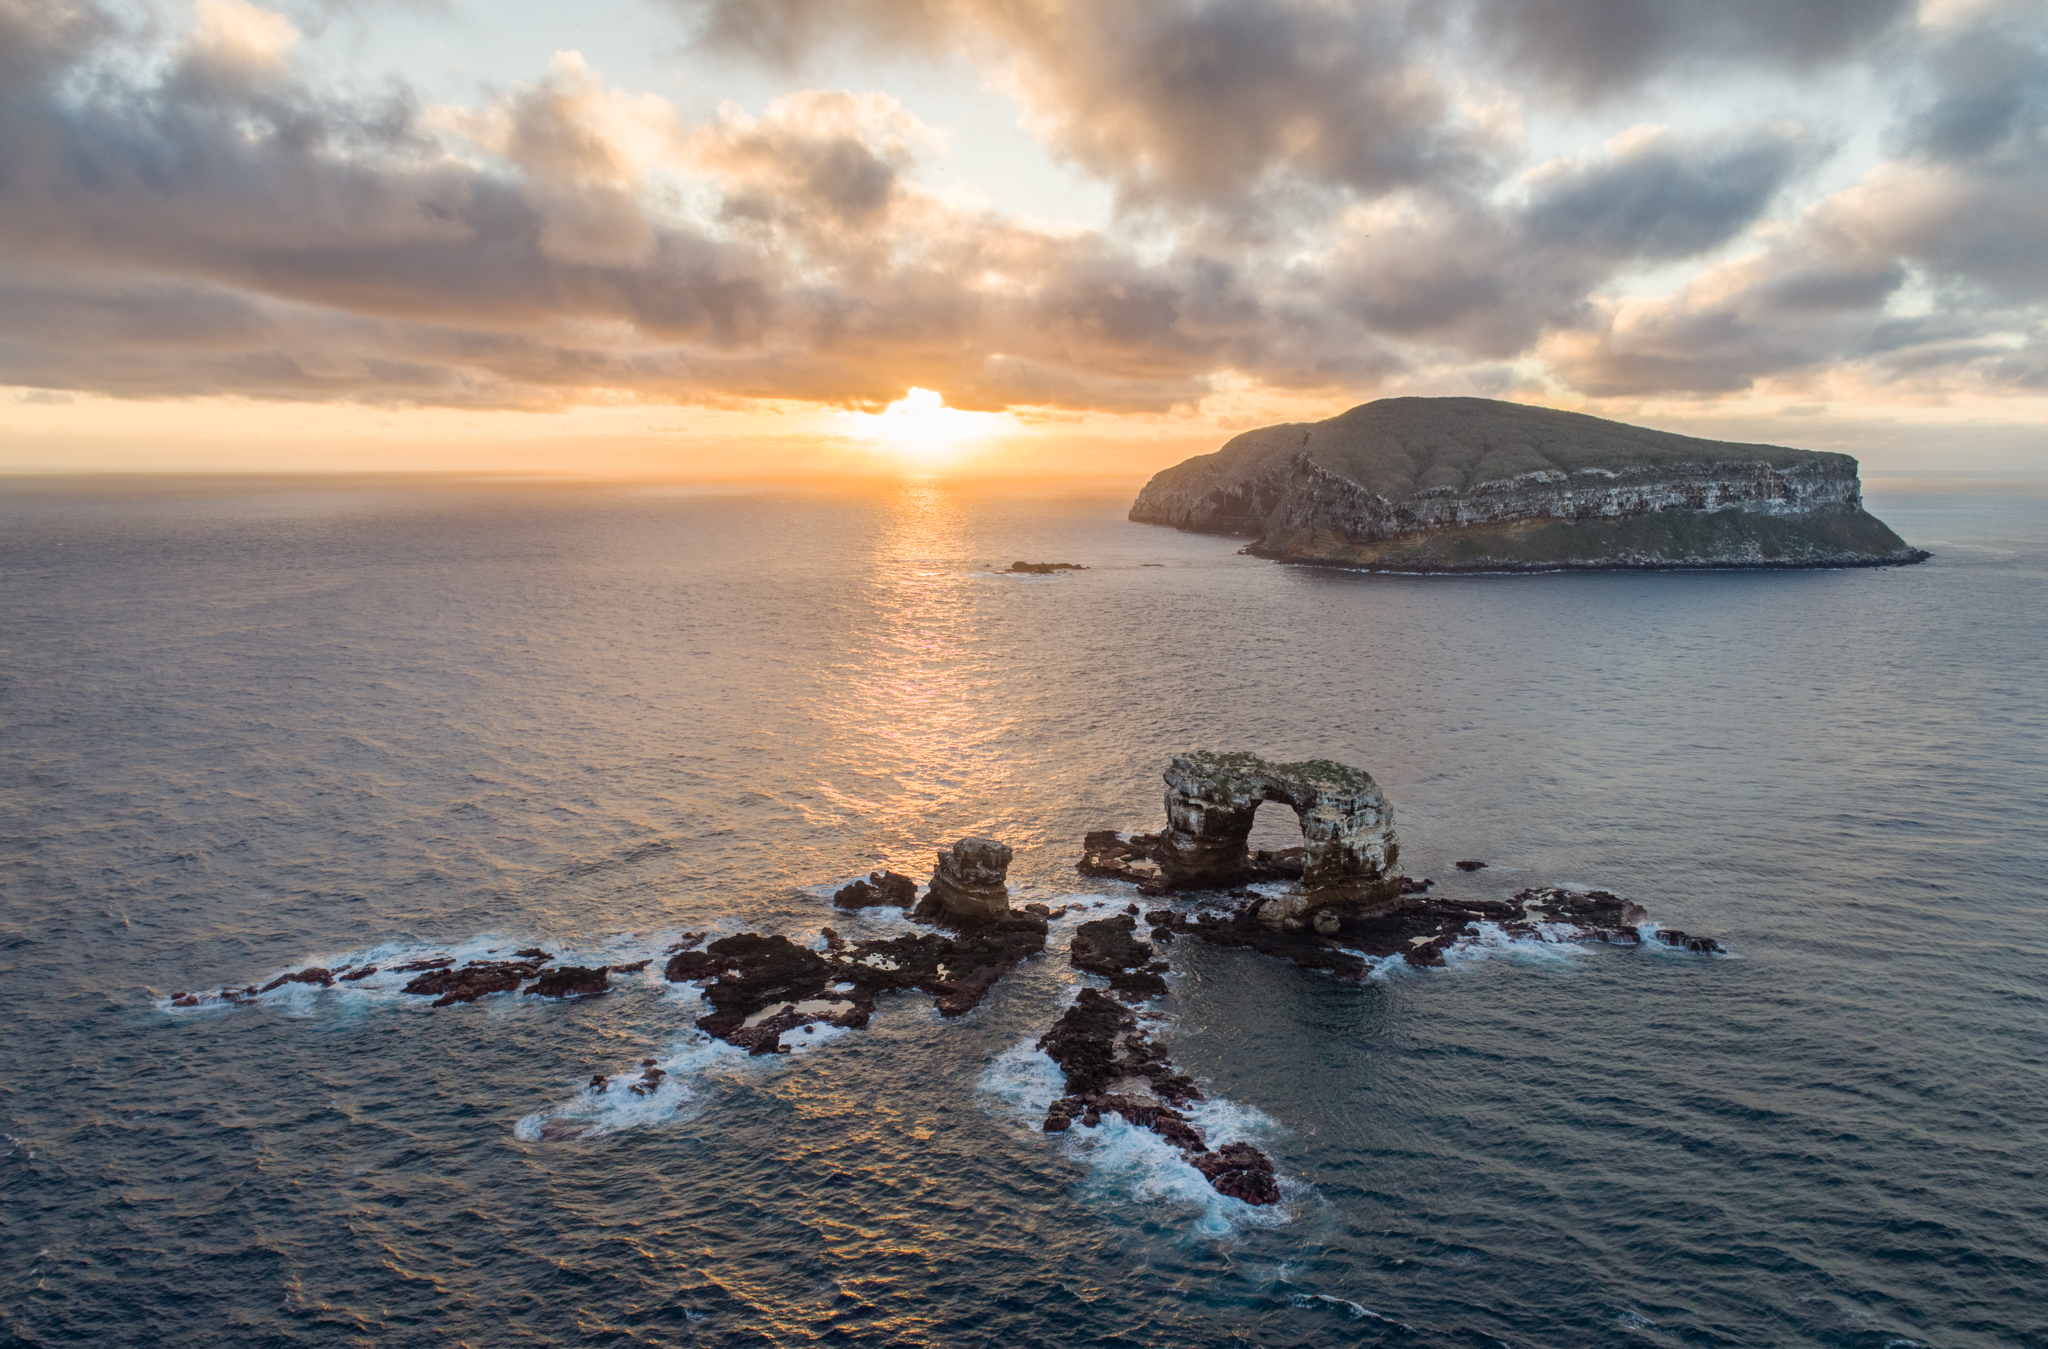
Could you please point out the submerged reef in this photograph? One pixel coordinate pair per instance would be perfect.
(1474, 484)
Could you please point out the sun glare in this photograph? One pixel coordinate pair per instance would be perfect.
(920, 427)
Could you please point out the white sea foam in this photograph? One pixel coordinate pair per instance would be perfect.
(1548, 943)
(1650, 943)
(1357, 1312)
(1127, 1163)
(677, 1095)
(387, 986)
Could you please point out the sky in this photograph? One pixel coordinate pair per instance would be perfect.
(819, 238)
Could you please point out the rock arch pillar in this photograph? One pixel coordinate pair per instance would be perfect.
(1347, 829)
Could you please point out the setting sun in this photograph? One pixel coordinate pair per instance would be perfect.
(920, 428)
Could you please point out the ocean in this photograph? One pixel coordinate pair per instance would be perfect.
(248, 725)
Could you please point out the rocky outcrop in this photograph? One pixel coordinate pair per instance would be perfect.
(1110, 1066)
(1348, 850)
(448, 986)
(763, 987)
(1472, 484)
(1420, 928)
(1110, 947)
(969, 882)
(574, 981)
(881, 887)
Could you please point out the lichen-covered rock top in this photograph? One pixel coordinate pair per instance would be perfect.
(1237, 777)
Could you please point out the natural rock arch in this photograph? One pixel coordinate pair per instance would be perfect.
(1347, 829)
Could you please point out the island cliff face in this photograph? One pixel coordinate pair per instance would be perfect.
(1472, 484)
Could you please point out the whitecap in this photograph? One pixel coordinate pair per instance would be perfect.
(386, 987)
(1357, 1312)
(1126, 1162)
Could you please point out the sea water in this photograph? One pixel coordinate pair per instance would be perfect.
(251, 725)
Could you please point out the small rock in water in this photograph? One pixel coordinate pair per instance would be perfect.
(1240, 1171)
(1108, 947)
(474, 980)
(1471, 866)
(1043, 568)
(572, 981)
(313, 976)
(881, 887)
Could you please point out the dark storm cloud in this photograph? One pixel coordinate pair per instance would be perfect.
(1664, 199)
(1591, 49)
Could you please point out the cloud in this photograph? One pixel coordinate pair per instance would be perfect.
(1961, 216)
(1316, 199)
(1659, 196)
(1590, 50)
(1173, 102)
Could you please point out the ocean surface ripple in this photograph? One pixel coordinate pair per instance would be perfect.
(252, 725)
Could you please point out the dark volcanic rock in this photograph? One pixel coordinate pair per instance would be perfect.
(353, 975)
(1108, 855)
(572, 981)
(316, 975)
(1471, 866)
(1420, 927)
(1109, 947)
(881, 887)
(474, 980)
(1701, 945)
(762, 987)
(1044, 568)
(1587, 908)
(1240, 1171)
(1112, 1067)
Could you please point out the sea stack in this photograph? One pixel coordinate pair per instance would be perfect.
(1474, 484)
(1347, 859)
(969, 881)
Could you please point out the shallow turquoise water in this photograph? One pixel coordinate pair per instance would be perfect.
(245, 725)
